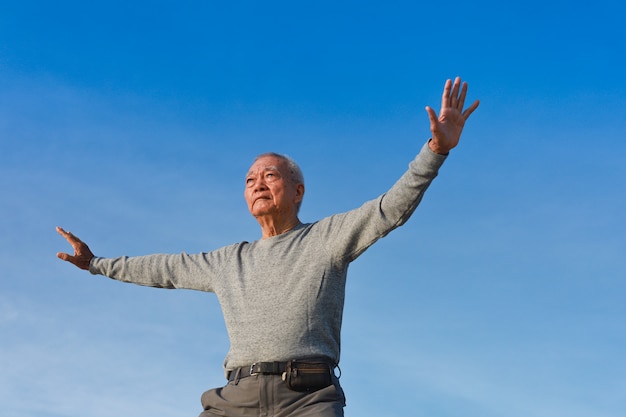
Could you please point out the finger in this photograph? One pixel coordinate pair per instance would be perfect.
(69, 236)
(64, 256)
(455, 92)
(470, 109)
(72, 259)
(462, 97)
(432, 116)
(445, 98)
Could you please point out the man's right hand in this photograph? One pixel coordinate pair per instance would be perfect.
(82, 255)
(447, 127)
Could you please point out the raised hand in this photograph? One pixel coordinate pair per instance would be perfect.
(447, 127)
(82, 255)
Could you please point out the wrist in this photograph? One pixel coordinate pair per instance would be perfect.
(437, 148)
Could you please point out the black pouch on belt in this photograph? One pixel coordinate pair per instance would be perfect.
(308, 376)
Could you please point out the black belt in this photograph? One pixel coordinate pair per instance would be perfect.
(268, 368)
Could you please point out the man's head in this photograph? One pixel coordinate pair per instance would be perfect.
(274, 186)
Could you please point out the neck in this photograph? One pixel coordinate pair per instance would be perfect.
(273, 227)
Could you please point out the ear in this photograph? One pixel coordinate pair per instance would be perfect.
(299, 193)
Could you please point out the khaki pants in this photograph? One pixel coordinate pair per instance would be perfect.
(268, 396)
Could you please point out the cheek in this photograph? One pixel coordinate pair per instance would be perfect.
(247, 197)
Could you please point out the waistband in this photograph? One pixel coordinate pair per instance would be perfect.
(274, 368)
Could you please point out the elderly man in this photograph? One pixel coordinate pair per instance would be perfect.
(282, 296)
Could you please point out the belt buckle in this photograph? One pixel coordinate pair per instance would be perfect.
(252, 369)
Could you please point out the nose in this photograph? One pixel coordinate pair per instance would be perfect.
(259, 184)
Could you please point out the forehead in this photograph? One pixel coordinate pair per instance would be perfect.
(266, 163)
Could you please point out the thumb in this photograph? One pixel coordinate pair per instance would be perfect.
(432, 115)
(63, 256)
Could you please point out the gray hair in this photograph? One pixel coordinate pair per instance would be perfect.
(294, 169)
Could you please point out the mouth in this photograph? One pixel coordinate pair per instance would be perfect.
(262, 198)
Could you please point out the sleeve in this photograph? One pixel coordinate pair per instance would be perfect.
(177, 271)
(350, 234)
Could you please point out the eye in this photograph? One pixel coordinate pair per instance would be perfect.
(249, 181)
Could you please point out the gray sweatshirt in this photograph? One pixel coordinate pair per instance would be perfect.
(283, 297)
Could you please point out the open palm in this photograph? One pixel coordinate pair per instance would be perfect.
(448, 125)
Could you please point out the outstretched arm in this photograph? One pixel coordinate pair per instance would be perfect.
(447, 127)
(82, 255)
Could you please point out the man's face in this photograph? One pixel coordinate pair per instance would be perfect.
(270, 189)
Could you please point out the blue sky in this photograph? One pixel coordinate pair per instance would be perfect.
(133, 125)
